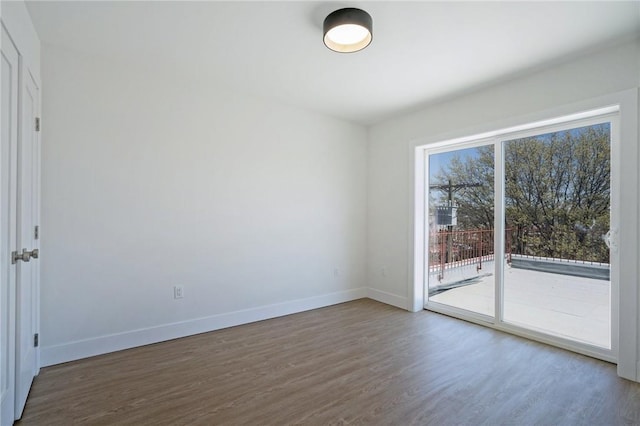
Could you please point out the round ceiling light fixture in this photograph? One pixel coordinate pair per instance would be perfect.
(347, 30)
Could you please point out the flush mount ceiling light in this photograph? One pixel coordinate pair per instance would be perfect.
(347, 30)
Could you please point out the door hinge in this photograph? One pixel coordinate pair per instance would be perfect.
(36, 232)
(37, 124)
(36, 340)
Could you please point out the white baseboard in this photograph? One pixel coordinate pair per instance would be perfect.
(388, 298)
(66, 352)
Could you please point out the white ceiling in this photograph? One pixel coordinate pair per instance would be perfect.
(421, 51)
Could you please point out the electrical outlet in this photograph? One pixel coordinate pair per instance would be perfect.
(178, 292)
(336, 272)
(383, 271)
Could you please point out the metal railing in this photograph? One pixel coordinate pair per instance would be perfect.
(585, 247)
(457, 248)
(453, 249)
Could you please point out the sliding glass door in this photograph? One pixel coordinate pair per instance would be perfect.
(460, 226)
(517, 232)
(557, 210)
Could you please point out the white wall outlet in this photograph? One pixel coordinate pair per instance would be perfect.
(336, 272)
(178, 292)
(383, 271)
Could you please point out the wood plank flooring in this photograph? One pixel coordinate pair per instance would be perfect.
(360, 363)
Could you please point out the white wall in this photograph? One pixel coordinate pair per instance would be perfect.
(519, 101)
(390, 158)
(257, 209)
(150, 181)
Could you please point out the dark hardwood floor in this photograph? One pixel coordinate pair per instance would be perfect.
(356, 363)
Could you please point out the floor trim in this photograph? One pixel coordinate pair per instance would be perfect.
(115, 342)
(388, 298)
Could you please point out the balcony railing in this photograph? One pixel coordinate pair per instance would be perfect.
(458, 248)
(453, 249)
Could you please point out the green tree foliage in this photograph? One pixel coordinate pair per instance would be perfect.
(557, 192)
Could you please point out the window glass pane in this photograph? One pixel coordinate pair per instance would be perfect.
(460, 226)
(557, 211)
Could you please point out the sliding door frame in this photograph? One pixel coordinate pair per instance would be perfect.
(621, 111)
(444, 147)
(498, 321)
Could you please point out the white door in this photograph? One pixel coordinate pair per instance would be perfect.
(8, 228)
(27, 293)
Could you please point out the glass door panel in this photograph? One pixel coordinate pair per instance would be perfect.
(557, 215)
(460, 239)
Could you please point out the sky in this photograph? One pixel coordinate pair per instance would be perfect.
(439, 161)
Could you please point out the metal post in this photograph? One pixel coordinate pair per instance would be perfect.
(450, 227)
(442, 253)
(481, 236)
